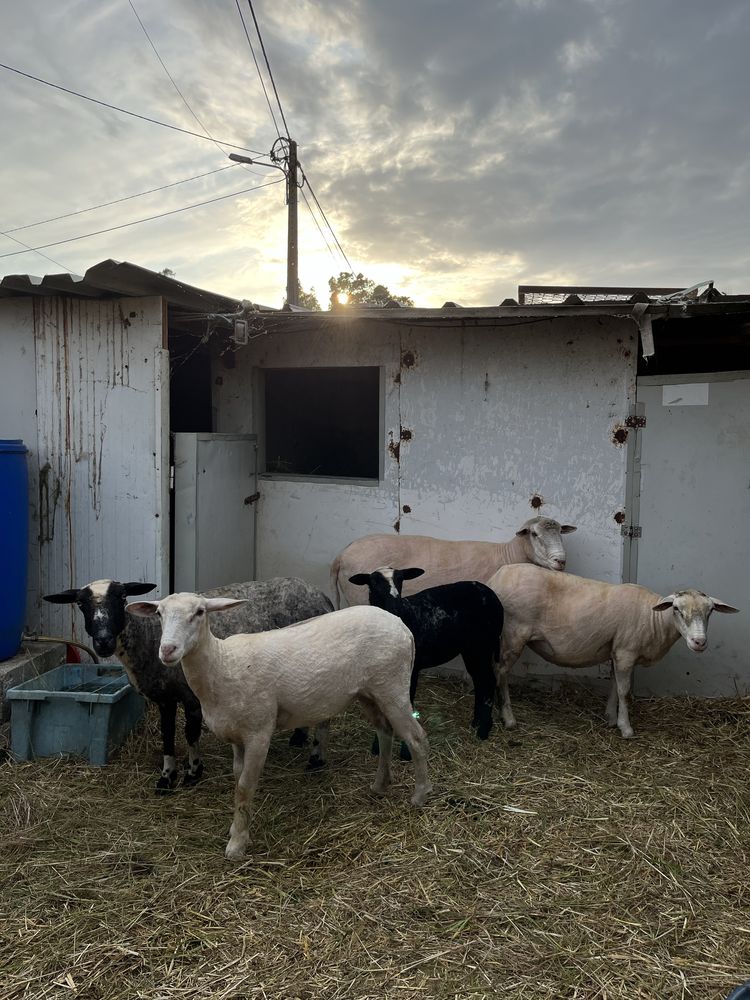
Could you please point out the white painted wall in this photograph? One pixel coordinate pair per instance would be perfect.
(99, 464)
(496, 415)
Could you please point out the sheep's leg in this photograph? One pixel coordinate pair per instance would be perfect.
(480, 668)
(403, 751)
(511, 648)
(168, 778)
(623, 677)
(319, 747)
(409, 730)
(249, 764)
(298, 738)
(612, 699)
(193, 721)
(383, 775)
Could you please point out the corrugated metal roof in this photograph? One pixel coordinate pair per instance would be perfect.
(111, 279)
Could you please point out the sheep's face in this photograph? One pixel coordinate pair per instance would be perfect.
(691, 610)
(544, 541)
(183, 621)
(102, 604)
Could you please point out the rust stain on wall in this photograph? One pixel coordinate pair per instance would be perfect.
(619, 435)
(406, 509)
(620, 516)
(406, 434)
(536, 501)
(408, 359)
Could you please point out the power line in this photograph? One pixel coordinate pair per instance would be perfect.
(150, 218)
(268, 65)
(257, 67)
(305, 180)
(124, 111)
(118, 201)
(320, 228)
(174, 84)
(28, 249)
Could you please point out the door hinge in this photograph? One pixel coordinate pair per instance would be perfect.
(171, 477)
(635, 421)
(251, 499)
(631, 531)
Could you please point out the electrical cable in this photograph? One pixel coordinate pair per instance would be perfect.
(320, 228)
(117, 201)
(124, 111)
(325, 219)
(28, 249)
(136, 222)
(257, 67)
(268, 66)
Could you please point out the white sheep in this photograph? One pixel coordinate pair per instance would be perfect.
(251, 685)
(574, 622)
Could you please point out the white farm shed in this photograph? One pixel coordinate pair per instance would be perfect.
(294, 433)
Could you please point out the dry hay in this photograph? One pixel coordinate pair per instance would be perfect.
(556, 861)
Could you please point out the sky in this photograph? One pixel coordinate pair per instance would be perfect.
(458, 149)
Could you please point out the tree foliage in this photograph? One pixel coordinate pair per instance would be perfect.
(360, 289)
(307, 299)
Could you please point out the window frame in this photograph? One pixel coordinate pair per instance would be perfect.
(259, 423)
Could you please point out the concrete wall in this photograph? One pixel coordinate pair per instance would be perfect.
(497, 416)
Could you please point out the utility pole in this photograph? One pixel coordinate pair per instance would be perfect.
(291, 170)
(292, 248)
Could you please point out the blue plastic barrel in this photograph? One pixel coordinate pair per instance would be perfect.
(14, 544)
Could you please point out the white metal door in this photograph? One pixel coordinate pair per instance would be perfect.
(215, 490)
(695, 518)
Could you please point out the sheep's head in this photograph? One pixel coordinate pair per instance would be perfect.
(691, 610)
(102, 605)
(543, 541)
(183, 621)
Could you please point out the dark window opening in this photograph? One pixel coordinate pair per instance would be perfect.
(323, 422)
(710, 344)
(189, 385)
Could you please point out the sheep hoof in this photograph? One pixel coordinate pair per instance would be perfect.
(315, 764)
(404, 752)
(419, 798)
(192, 777)
(298, 738)
(378, 789)
(509, 723)
(627, 733)
(375, 748)
(235, 851)
(483, 732)
(166, 783)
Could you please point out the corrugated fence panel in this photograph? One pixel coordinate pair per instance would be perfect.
(101, 417)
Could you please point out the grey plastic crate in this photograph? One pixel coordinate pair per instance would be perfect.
(85, 709)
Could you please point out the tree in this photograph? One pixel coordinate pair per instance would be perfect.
(167, 272)
(360, 289)
(307, 299)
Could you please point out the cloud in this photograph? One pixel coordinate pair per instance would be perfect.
(457, 149)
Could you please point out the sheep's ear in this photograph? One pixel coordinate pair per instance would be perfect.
(133, 589)
(726, 609)
(360, 579)
(664, 605)
(522, 531)
(411, 574)
(66, 597)
(142, 609)
(224, 603)
(565, 529)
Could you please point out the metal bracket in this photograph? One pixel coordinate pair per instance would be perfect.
(631, 531)
(251, 499)
(635, 421)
